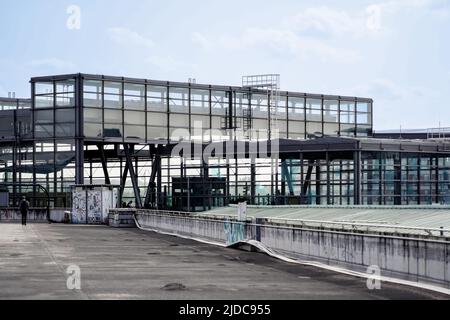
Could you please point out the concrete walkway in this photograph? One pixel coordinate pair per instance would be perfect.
(132, 264)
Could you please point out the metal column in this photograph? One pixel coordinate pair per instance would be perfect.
(137, 194)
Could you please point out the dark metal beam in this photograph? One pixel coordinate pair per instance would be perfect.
(150, 196)
(253, 182)
(137, 194)
(104, 164)
(123, 182)
(307, 181)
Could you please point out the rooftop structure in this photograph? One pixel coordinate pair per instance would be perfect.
(310, 148)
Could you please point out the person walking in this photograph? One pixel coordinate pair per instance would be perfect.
(24, 206)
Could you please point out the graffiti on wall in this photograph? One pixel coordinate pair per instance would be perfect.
(234, 232)
(95, 214)
(107, 203)
(79, 207)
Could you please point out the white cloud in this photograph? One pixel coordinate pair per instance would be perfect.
(327, 21)
(277, 41)
(437, 8)
(167, 63)
(51, 63)
(127, 37)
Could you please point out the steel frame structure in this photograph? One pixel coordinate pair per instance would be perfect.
(100, 129)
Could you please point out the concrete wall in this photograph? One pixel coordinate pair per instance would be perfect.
(34, 215)
(419, 260)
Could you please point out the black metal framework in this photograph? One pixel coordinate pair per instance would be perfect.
(100, 129)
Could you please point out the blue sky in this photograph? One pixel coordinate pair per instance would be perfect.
(396, 52)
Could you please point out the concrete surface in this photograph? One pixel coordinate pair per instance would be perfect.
(423, 261)
(134, 264)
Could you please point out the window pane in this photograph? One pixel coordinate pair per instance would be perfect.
(134, 103)
(156, 133)
(331, 111)
(65, 100)
(65, 86)
(44, 101)
(177, 120)
(65, 115)
(219, 102)
(113, 88)
(179, 100)
(113, 116)
(92, 115)
(134, 117)
(92, 100)
(44, 88)
(93, 130)
(134, 132)
(113, 101)
(363, 118)
(363, 107)
(92, 86)
(137, 90)
(156, 119)
(156, 98)
(347, 106)
(200, 101)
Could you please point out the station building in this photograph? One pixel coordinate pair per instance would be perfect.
(193, 147)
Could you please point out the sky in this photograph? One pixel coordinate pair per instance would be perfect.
(394, 51)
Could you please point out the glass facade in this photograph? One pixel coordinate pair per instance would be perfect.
(75, 130)
(145, 111)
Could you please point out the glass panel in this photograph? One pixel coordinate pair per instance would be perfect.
(65, 115)
(347, 130)
(200, 123)
(331, 129)
(314, 110)
(44, 88)
(156, 119)
(179, 100)
(134, 103)
(43, 123)
(113, 101)
(156, 98)
(200, 101)
(363, 107)
(134, 117)
(92, 100)
(260, 106)
(92, 86)
(331, 111)
(134, 132)
(65, 86)
(113, 88)
(113, 116)
(219, 102)
(314, 128)
(137, 90)
(93, 130)
(65, 129)
(363, 118)
(156, 133)
(65, 100)
(44, 101)
(177, 120)
(92, 115)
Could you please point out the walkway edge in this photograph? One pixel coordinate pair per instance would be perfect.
(273, 254)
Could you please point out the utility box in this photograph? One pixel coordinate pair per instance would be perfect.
(91, 204)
